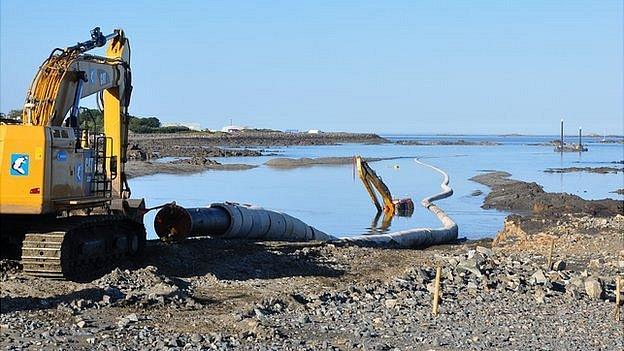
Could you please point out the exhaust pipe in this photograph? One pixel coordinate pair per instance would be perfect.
(232, 221)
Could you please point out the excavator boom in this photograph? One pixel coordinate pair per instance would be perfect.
(372, 182)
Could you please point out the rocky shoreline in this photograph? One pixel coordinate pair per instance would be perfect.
(216, 294)
(251, 138)
(194, 152)
(599, 170)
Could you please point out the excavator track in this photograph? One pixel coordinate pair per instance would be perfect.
(80, 248)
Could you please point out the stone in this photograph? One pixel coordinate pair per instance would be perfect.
(470, 265)
(538, 277)
(485, 251)
(559, 265)
(123, 322)
(132, 317)
(391, 303)
(539, 295)
(595, 264)
(593, 288)
(81, 324)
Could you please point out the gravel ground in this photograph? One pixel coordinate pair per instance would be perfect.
(213, 294)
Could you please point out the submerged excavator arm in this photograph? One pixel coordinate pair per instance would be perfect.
(69, 75)
(371, 180)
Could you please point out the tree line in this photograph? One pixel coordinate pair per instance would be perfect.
(93, 119)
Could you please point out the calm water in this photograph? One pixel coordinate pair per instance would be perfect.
(329, 198)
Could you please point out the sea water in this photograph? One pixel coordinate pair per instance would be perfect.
(332, 199)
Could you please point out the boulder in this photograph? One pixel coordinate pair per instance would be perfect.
(593, 288)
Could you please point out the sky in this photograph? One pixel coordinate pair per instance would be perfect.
(410, 67)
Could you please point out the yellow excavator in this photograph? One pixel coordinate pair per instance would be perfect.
(391, 207)
(64, 200)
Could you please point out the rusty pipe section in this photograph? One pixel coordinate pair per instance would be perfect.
(233, 221)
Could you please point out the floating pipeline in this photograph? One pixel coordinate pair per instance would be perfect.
(235, 221)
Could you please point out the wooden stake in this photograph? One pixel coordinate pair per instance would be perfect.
(618, 292)
(436, 291)
(549, 263)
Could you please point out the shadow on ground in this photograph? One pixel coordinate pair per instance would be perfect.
(237, 259)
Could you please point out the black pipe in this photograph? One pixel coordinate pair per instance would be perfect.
(233, 221)
(176, 223)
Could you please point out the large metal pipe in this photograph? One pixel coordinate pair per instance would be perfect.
(227, 220)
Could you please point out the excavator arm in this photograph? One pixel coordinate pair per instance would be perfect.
(371, 180)
(70, 74)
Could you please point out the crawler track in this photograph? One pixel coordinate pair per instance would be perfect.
(81, 247)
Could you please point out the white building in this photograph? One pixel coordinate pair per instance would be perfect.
(314, 131)
(233, 128)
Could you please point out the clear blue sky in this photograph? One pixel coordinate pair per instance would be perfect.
(382, 66)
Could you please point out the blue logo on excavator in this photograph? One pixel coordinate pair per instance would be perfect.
(19, 164)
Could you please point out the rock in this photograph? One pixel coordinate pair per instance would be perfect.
(485, 251)
(470, 265)
(81, 324)
(538, 277)
(593, 288)
(539, 295)
(595, 264)
(132, 318)
(304, 319)
(196, 338)
(476, 193)
(106, 299)
(391, 303)
(123, 322)
(559, 265)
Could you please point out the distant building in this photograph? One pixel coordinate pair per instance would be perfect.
(192, 126)
(294, 131)
(314, 131)
(233, 128)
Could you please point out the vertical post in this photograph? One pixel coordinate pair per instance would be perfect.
(436, 291)
(580, 139)
(618, 292)
(550, 253)
(561, 140)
